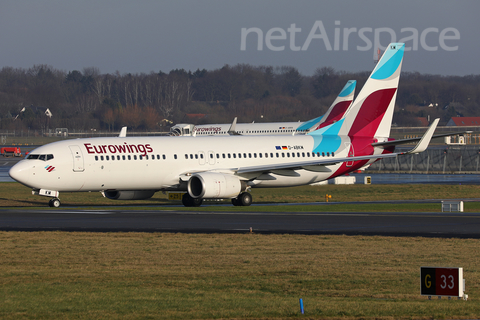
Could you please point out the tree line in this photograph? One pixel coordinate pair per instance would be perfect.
(87, 99)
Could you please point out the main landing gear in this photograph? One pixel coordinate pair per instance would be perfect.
(243, 199)
(188, 201)
(54, 203)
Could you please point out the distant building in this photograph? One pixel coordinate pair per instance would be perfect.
(464, 122)
(423, 121)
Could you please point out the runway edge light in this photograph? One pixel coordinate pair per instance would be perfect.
(442, 282)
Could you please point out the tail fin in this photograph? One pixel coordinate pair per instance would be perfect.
(371, 113)
(336, 110)
(339, 106)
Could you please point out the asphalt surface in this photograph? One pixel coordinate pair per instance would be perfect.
(450, 225)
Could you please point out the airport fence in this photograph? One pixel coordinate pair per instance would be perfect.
(433, 160)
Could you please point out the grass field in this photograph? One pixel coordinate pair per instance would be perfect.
(46, 275)
(76, 275)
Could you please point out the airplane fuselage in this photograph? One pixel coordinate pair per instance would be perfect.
(159, 163)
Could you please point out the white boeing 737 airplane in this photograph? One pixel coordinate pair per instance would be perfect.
(224, 167)
(334, 113)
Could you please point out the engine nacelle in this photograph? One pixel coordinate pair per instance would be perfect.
(212, 185)
(129, 195)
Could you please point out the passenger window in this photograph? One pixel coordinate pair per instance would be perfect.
(101, 158)
(135, 157)
(218, 155)
(96, 158)
(333, 154)
(323, 154)
(175, 156)
(249, 155)
(129, 157)
(328, 154)
(123, 157)
(228, 156)
(196, 156)
(239, 155)
(107, 158)
(293, 154)
(234, 155)
(186, 156)
(118, 157)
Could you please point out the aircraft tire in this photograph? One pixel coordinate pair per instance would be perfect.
(188, 201)
(54, 203)
(197, 202)
(244, 199)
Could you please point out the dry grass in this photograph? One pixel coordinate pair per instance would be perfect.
(48, 275)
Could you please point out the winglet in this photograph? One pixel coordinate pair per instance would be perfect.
(425, 141)
(232, 130)
(123, 132)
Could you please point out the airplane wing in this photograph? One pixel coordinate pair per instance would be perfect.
(410, 140)
(315, 165)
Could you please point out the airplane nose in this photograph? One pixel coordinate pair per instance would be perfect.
(20, 172)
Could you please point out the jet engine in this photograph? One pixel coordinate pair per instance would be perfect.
(213, 185)
(129, 195)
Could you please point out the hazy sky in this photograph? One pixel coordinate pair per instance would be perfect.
(149, 36)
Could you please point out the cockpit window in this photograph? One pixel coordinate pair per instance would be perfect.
(44, 157)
